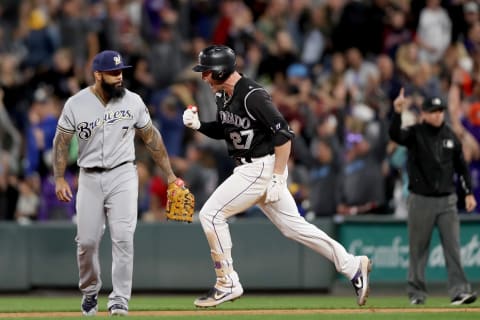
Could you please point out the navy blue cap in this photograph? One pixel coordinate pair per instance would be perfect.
(108, 60)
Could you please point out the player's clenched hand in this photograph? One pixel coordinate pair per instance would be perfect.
(274, 188)
(190, 118)
(62, 190)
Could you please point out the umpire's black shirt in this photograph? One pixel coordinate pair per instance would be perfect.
(434, 156)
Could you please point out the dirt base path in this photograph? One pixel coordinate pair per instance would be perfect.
(247, 312)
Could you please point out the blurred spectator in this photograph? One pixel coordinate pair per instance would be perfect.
(166, 56)
(168, 117)
(463, 17)
(144, 190)
(472, 42)
(364, 154)
(241, 33)
(352, 29)
(10, 144)
(434, 31)
(464, 117)
(14, 85)
(282, 54)
(331, 80)
(389, 81)
(38, 39)
(272, 20)
(60, 77)
(359, 74)
(28, 202)
(408, 60)
(79, 32)
(157, 196)
(43, 118)
(314, 41)
(457, 66)
(199, 171)
(10, 138)
(293, 96)
(396, 33)
(297, 20)
(8, 188)
(325, 173)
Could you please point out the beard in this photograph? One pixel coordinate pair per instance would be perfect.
(112, 90)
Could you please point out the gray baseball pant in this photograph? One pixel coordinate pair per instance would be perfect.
(107, 196)
(424, 213)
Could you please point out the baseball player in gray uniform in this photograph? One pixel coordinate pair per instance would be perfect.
(105, 118)
(259, 139)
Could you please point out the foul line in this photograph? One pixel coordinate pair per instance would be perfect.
(246, 312)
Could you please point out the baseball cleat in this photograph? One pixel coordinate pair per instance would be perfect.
(89, 305)
(215, 297)
(360, 281)
(417, 301)
(118, 310)
(464, 298)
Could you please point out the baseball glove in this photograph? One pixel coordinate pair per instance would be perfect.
(180, 202)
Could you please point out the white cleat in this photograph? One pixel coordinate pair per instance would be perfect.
(118, 310)
(215, 297)
(361, 279)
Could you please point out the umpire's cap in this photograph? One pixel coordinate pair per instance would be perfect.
(433, 104)
(108, 60)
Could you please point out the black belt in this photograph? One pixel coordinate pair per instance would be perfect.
(248, 159)
(100, 169)
(240, 161)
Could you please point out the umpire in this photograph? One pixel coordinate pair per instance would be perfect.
(434, 156)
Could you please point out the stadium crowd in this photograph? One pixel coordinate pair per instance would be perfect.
(333, 68)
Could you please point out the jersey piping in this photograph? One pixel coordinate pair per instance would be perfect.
(245, 102)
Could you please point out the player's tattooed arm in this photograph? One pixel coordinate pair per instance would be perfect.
(61, 143)
(154, 143)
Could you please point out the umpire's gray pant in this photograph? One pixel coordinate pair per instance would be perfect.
(424, 213)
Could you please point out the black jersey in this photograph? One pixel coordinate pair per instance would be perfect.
(247, 120)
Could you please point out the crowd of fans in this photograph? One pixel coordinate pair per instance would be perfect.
(333, 68)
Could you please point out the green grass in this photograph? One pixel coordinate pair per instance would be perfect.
(71, 303)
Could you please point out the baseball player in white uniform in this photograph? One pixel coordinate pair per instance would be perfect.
(105, 118)
(259, 139)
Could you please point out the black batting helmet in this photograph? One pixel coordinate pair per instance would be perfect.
(218, 59)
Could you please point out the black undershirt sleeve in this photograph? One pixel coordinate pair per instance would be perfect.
(212, 129)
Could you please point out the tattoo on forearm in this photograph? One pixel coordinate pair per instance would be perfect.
(154, 143)
(61, 143)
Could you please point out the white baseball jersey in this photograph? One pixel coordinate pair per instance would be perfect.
(105, 133)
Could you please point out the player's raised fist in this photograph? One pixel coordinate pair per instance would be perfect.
(190, 118)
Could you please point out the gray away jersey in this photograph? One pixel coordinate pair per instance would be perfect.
(105, 133)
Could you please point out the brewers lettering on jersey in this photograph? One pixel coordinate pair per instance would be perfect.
(259, 139)
(105, 118)
(85, 128)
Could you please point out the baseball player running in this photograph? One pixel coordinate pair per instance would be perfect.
(259, 139)
(105, 118)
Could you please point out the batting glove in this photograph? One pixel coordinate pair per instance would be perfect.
(274, 188)
(190, 118)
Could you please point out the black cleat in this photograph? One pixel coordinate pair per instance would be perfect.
(89, 305)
